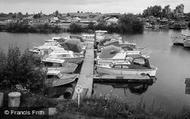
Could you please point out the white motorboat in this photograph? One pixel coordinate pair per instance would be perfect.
(183, 39)
(57, 78)
(132, 65)
(120, 56)
(59, 64)
(68, 56)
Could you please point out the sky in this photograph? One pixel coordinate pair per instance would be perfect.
(103, 6)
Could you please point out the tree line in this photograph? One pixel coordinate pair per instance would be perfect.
(20, 27)
(165, 12)
(127, 24)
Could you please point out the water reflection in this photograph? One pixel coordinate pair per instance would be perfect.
(135, 88)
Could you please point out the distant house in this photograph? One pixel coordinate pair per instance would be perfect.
(39, 21)
(54, 19)
(112, 20)
(76, 19)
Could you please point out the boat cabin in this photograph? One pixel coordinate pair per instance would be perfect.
(88, 37)
(50, 62)
(55, 74)
(135, 63)
(99, 35)
(66, 54)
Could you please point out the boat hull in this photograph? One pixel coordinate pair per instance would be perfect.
(104, 70)
(178, 41)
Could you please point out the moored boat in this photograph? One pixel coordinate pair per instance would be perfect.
(182, 39)
(59, 64)
(68, 56)
(135, 65)
(56, 78)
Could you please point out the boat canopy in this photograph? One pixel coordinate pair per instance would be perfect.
(53, 60)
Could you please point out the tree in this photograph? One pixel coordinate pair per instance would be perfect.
(155, 11)
(36, 16)
(129, 23)
(166, 12)
(91, 26)
(23, 69)
(179, 11)
(56, 13)
(75, 28)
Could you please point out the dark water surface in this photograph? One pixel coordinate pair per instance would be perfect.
(173, 64)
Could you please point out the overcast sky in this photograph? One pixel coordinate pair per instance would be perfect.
(104, 6)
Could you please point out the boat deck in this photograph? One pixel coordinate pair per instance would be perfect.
(85, 80)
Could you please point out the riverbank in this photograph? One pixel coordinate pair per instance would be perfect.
(127, 24)
(101, 107)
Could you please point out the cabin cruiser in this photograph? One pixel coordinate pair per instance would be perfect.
(68, 56)
(187, 41)
(118, 43)
(57, 78)
(46, 48)
(59, 64)
(117, 57)
(88, 37)
(182, 39)
(132, 65)
(99, 35)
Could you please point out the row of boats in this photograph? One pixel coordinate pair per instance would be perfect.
(61, 64)
(118, 57)
(62, 57)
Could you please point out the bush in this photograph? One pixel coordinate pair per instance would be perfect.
(23, 69)
(130, 24)
(106, 107)
(75, 28)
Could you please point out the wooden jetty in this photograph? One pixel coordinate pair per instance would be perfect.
(87, 77)
(85, 80)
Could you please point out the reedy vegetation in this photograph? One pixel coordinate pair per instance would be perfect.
(24, 69)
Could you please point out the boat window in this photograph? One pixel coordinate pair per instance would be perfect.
(57, 64)
(48, 64)
(111, 65)
(139, 61)
(60, 75)
(125, 67)
(64, 55)
(117, 66)
(51, 76)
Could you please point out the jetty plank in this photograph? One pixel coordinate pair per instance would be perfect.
(85, 80)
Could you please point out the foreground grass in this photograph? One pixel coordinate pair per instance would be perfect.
(113, 108)
(102, 107)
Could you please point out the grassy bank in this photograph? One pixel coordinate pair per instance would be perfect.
(103, 107)
(113, 108)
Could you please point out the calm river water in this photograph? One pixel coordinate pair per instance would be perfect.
(173, 62)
